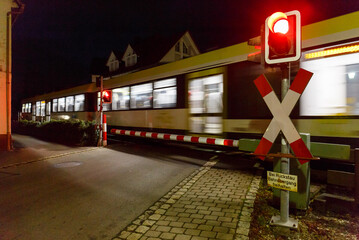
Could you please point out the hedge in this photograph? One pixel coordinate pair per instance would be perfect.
(69, 132)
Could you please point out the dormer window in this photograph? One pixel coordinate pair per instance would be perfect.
(131, 60)
(185, 49)
(177, 48)
(114, 65)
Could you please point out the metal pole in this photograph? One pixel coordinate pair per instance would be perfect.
(284, 162)
(101, 111)
(283, 220)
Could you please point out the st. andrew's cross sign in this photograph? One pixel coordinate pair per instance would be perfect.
(280, 112)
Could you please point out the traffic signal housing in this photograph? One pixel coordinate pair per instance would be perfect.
(107, 96)
(282, 36)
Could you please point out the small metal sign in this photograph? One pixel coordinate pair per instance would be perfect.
(282, 181)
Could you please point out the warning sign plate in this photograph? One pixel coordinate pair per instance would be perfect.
(282, 181)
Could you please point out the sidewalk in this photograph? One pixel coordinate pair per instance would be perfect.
(211, 203)
(28, 149)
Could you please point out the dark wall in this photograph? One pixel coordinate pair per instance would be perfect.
(244, 99)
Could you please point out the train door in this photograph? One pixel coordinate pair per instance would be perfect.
(48, 111)
(205, 97)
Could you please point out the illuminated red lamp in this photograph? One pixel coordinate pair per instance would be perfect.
(107, 96)
(278, 23)
(282, 37)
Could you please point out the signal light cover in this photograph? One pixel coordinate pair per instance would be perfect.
(282, 37)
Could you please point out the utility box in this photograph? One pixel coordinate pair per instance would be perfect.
(298, 200)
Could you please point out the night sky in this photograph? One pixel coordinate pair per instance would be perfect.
(55, 41)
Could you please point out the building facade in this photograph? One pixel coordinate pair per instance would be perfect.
(9, 10)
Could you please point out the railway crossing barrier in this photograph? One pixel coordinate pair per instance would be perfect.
(180, 138)
(336, 152)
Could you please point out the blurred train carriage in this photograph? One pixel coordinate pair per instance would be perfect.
(213, 93)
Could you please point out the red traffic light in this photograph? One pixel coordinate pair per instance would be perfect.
(107, 96)
(282, 37)
(278, 23)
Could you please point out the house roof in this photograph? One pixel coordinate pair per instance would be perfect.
(149, 51)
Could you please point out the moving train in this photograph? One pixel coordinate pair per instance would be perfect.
(213, 94)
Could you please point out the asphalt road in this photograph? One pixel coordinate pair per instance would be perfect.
(88, 195)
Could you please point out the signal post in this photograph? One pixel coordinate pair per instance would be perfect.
(282, 45)
(105, 97)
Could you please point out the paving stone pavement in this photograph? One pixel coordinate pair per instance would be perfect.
(211, 203)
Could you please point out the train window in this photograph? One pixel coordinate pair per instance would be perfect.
(27, 108)
(33, 111)
(70, 103)
(80, 102)
(334, 87)
(206, 104)
(48, 108)
(54, 105)
(61, 104)
(42, 108)
(165, 93)
(121, 98)
(196, 96)
(38, 110)
(206, 95)
(141, 96)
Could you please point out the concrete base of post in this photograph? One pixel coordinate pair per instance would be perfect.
(290, 223)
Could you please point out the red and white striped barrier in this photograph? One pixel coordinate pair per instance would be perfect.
(280, 112)
(180, 138)
(104, 137)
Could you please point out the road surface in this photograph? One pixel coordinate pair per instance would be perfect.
(92, 193)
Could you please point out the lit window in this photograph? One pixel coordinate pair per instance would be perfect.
(80, 102)
(165, 93)
(69, 104)
(196, 96)
(34, 110)
(38, 109)
(141, 96)
(120, 98)
(334, 88)
(54, 105)
(61, 104)
(28, 107)
(48, 108)
(23, 107)
(43, 108)
(206, 104)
